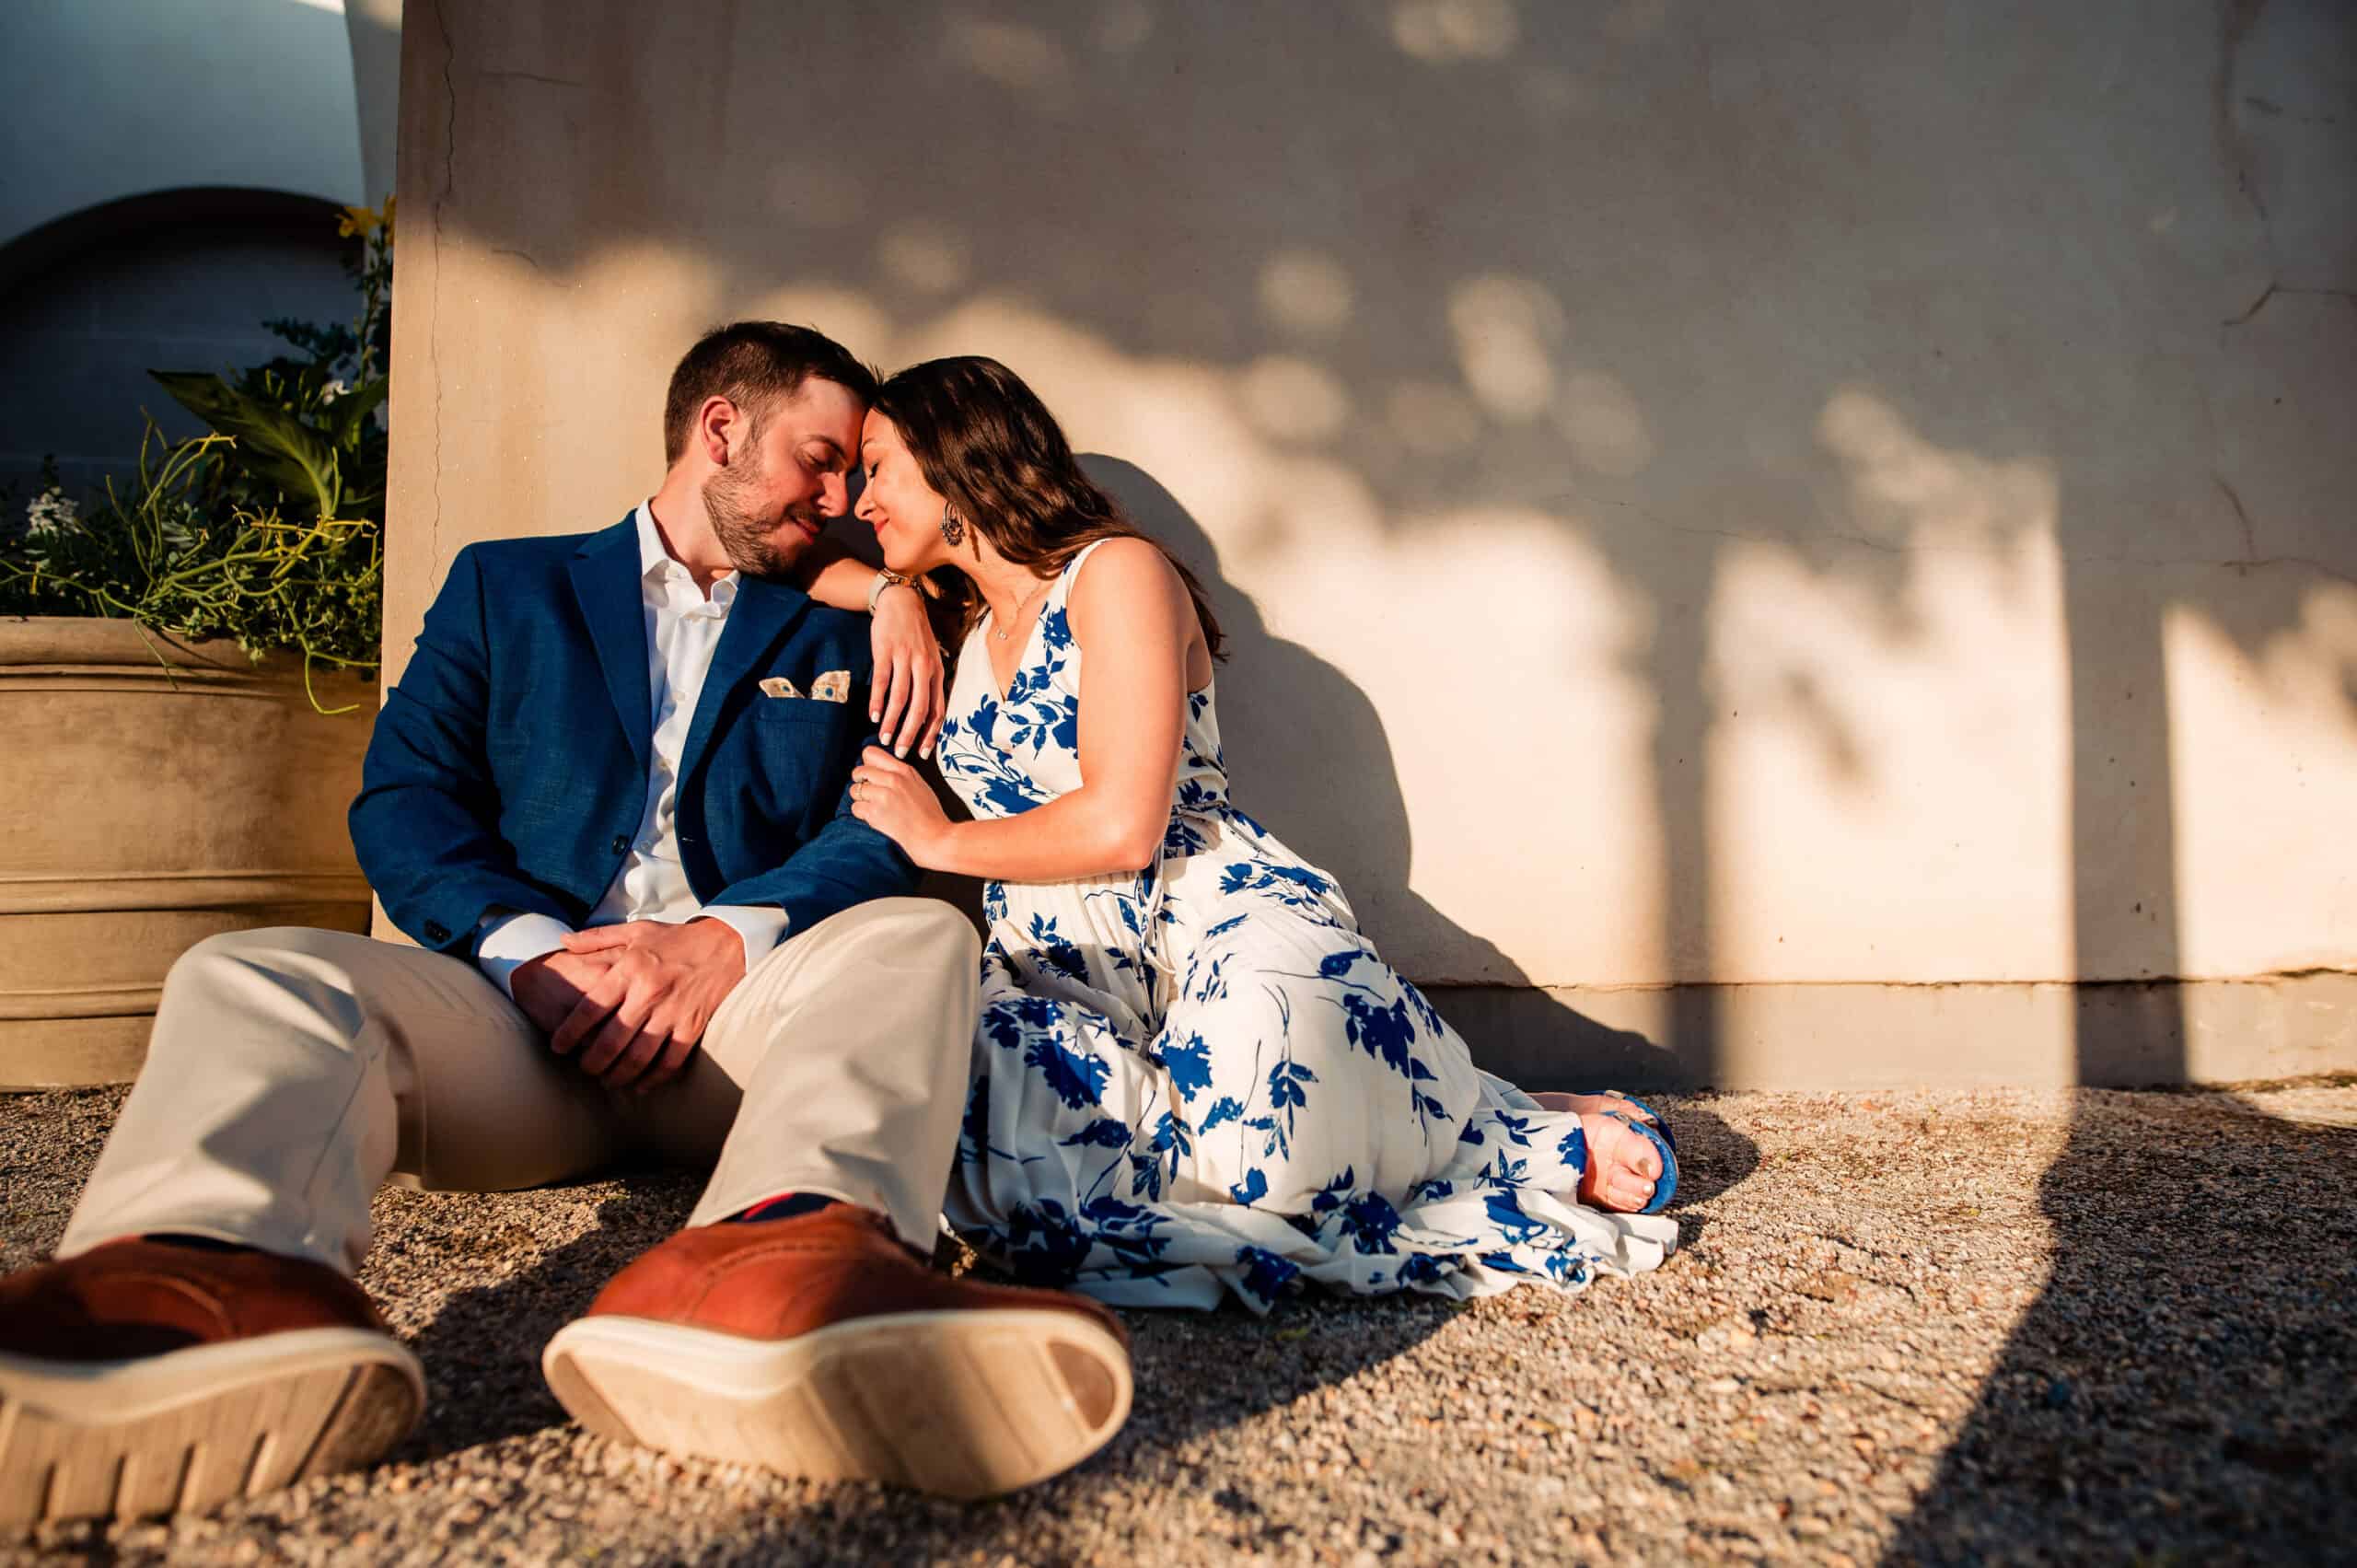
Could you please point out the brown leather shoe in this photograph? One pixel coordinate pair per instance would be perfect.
(144, 1378)
(820, 1346)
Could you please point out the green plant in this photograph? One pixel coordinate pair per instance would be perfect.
(268, 531)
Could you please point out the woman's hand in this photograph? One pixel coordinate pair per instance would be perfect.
(906, 699)
(893, 798)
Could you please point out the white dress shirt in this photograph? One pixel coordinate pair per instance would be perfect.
(683, 627)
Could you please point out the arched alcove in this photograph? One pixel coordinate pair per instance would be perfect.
(174, 280)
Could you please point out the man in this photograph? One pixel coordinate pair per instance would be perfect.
(608, 800)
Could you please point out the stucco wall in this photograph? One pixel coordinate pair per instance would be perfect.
(1762, 544)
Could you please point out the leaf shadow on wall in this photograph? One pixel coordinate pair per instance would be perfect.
(1274, 696)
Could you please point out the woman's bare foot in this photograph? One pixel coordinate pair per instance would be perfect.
(1623, 1167)
(1622, 1163)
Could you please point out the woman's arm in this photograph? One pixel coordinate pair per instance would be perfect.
(830, 574)
(1135, 624)
(906, 699)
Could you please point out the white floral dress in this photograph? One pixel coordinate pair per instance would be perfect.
(1201, 1079)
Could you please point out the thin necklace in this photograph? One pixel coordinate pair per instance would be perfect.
(1021, 605)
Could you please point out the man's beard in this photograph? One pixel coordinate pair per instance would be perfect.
(752, 545)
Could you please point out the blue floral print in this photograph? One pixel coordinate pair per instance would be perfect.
(1201, 1082)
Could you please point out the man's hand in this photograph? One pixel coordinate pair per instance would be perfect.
(636, 1024)
(550, 986)
(906, 699)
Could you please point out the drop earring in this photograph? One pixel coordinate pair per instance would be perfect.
(953, 527)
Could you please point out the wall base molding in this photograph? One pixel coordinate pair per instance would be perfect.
(1865, 1036)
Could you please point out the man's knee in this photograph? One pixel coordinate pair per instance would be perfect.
(258, 948)
(238, 972)
(942, 928)
(926, 930)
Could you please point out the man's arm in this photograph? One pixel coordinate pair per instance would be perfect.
(425, 823)
(845, 864)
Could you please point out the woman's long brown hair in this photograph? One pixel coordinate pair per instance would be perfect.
(987, 443)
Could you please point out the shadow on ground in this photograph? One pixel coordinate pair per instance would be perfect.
(1198, 1373)
(482, 1350)
(2180, 1390)
(1194, 1376)
(1713, 1159)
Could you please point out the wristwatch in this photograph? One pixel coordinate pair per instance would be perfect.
(885, 578)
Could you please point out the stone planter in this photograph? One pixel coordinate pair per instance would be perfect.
(154, 793)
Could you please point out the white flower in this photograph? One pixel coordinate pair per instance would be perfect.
(49, 511)
(333, 390)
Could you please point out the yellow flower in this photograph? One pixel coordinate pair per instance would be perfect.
(356, 220)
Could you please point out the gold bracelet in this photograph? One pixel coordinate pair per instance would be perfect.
(885, 578)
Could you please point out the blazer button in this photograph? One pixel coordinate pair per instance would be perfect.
(436, 931)
(622, 845)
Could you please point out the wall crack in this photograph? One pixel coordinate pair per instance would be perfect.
(2272, 289)
(531, 76)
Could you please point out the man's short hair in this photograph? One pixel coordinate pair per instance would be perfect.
(754, 363)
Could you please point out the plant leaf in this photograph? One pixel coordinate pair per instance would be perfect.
(352, 409)
(276, 447)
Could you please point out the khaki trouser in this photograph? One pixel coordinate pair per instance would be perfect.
(291, 1071)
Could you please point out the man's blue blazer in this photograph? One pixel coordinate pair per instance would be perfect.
(509, 768)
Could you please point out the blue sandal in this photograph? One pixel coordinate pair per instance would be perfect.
(1665, 1185)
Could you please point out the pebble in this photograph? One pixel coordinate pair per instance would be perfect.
(1937, 1328)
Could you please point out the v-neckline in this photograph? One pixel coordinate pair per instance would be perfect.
(1022, 653)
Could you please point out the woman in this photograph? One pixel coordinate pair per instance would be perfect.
(1191, 1074)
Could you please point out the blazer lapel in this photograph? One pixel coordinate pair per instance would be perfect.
(764, 612)
(605, 579)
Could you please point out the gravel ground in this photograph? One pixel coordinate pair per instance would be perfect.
(1953, 1327)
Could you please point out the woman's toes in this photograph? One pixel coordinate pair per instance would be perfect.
(1633, 1185)
(1606, 1182)
(1624, 1168)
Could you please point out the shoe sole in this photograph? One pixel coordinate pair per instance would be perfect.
(963, 1404)
(195, 1428)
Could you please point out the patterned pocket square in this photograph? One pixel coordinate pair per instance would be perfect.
(779, 686)
(832, 687)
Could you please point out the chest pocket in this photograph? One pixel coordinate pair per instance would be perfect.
(793, 746)
(793, 710)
